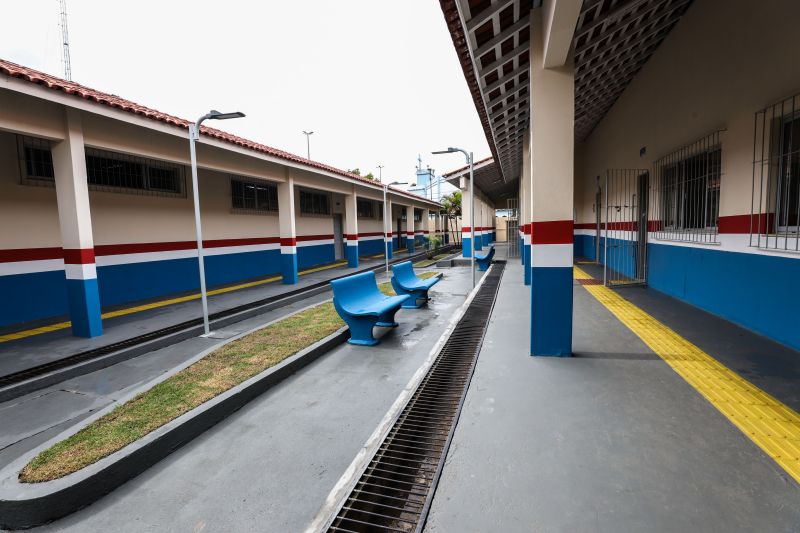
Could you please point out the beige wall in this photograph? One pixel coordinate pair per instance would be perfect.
(29, 214)
(716, 68)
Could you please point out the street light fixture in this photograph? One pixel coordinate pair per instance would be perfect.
(194, 135)
(308, 135)
(470, 160)
(386, 215)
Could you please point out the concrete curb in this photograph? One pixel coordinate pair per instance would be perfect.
(26, 505)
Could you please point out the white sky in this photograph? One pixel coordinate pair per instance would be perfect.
(378, 81)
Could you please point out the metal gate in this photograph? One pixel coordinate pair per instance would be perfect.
(512, 228)
(625, 227)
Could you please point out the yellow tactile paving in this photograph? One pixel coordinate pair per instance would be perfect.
(161, 303)
(772, 425)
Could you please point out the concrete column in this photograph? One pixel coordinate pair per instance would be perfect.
(477, 231)
(426, 226)
(75, 220)
(388, 238)
(410, 228)
(466, 230)
(552, 130)
(287, 229)
(351, 228)
(525, 209)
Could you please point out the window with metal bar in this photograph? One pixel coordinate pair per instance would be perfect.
(253, 196)
(118, 172)
(315, 203)
(775, 213)
(686, 192)
(365, 208)
(36, 161)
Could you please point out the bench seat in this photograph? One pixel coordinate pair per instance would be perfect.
(405, 281)
(484, 260)
(362, 306)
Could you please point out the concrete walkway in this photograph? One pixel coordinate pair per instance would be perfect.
(41, 348)
(610, 440)
(270, 466)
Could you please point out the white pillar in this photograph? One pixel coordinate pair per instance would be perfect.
(287, 229)
(466, 230)
(75, 219)
(351, 228)
(410, 228)
(552, 130)
(389, 225)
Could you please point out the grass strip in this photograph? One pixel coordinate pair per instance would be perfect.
(209, 377)
(429, 262)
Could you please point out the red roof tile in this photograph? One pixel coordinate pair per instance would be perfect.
(69, 87)
(466, 167)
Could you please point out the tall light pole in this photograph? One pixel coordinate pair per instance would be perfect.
(308, 135)
(386, 214)
(469, 157)
(194, 135)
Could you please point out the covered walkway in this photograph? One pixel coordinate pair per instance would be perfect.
(612, 439)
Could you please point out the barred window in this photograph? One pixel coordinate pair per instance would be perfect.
(36, 160)
(365, 208)
(686, 192)
(254, 196)
(110, 170)
(417, 215)
(315, 203)
(775, 215)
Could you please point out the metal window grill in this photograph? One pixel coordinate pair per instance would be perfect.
(686, 189)
(365, 208)
(512, 228)
(775, 204)
(315, 203)
(625, 225)
(117, 172)
(251, 196)
(36, 161)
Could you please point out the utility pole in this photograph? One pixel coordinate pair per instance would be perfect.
(308, 143)
(65, 61)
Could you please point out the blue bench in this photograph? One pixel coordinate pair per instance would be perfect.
(406, 282)
(484, 260)
(363, 306)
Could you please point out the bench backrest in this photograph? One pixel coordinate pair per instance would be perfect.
(354, 291)
(487, 255)
(404, 272)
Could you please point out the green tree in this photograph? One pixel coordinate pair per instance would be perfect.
(357, 172)
(451, 208)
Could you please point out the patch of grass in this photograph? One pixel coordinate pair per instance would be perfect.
(209, 377)
(429, 262)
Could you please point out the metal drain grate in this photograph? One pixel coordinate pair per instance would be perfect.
(396, 489)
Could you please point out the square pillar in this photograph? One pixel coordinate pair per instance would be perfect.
(426, 225)
(75, 221)
(466, 217)
(551, 197)
(287, 229)
(410, 228)
(477, 231)
(388, 236)
(351, 228)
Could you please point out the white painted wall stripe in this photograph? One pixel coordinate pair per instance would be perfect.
(551, 255)
(81, 272)
(288, 250)
(29, 267)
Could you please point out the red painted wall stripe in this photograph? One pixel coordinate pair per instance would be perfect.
(80, 256)
(552, 232)
(764, 222)
(30, 254)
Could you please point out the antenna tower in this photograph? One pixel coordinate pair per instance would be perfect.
(65, 41)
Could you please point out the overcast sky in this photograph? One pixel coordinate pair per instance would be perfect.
(378, 81)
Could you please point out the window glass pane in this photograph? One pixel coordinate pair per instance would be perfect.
(163, 179)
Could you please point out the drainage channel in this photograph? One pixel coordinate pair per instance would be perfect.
(395, 491)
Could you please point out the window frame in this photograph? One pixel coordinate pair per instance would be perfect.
(258, 183)
(315, 210)
(24, 143)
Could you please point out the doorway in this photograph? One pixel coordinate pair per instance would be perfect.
(338, 237)
(625, 227)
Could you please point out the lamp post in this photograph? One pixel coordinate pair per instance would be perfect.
(194, 135)
(308, 135)
(386, 215)
(469, 157)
